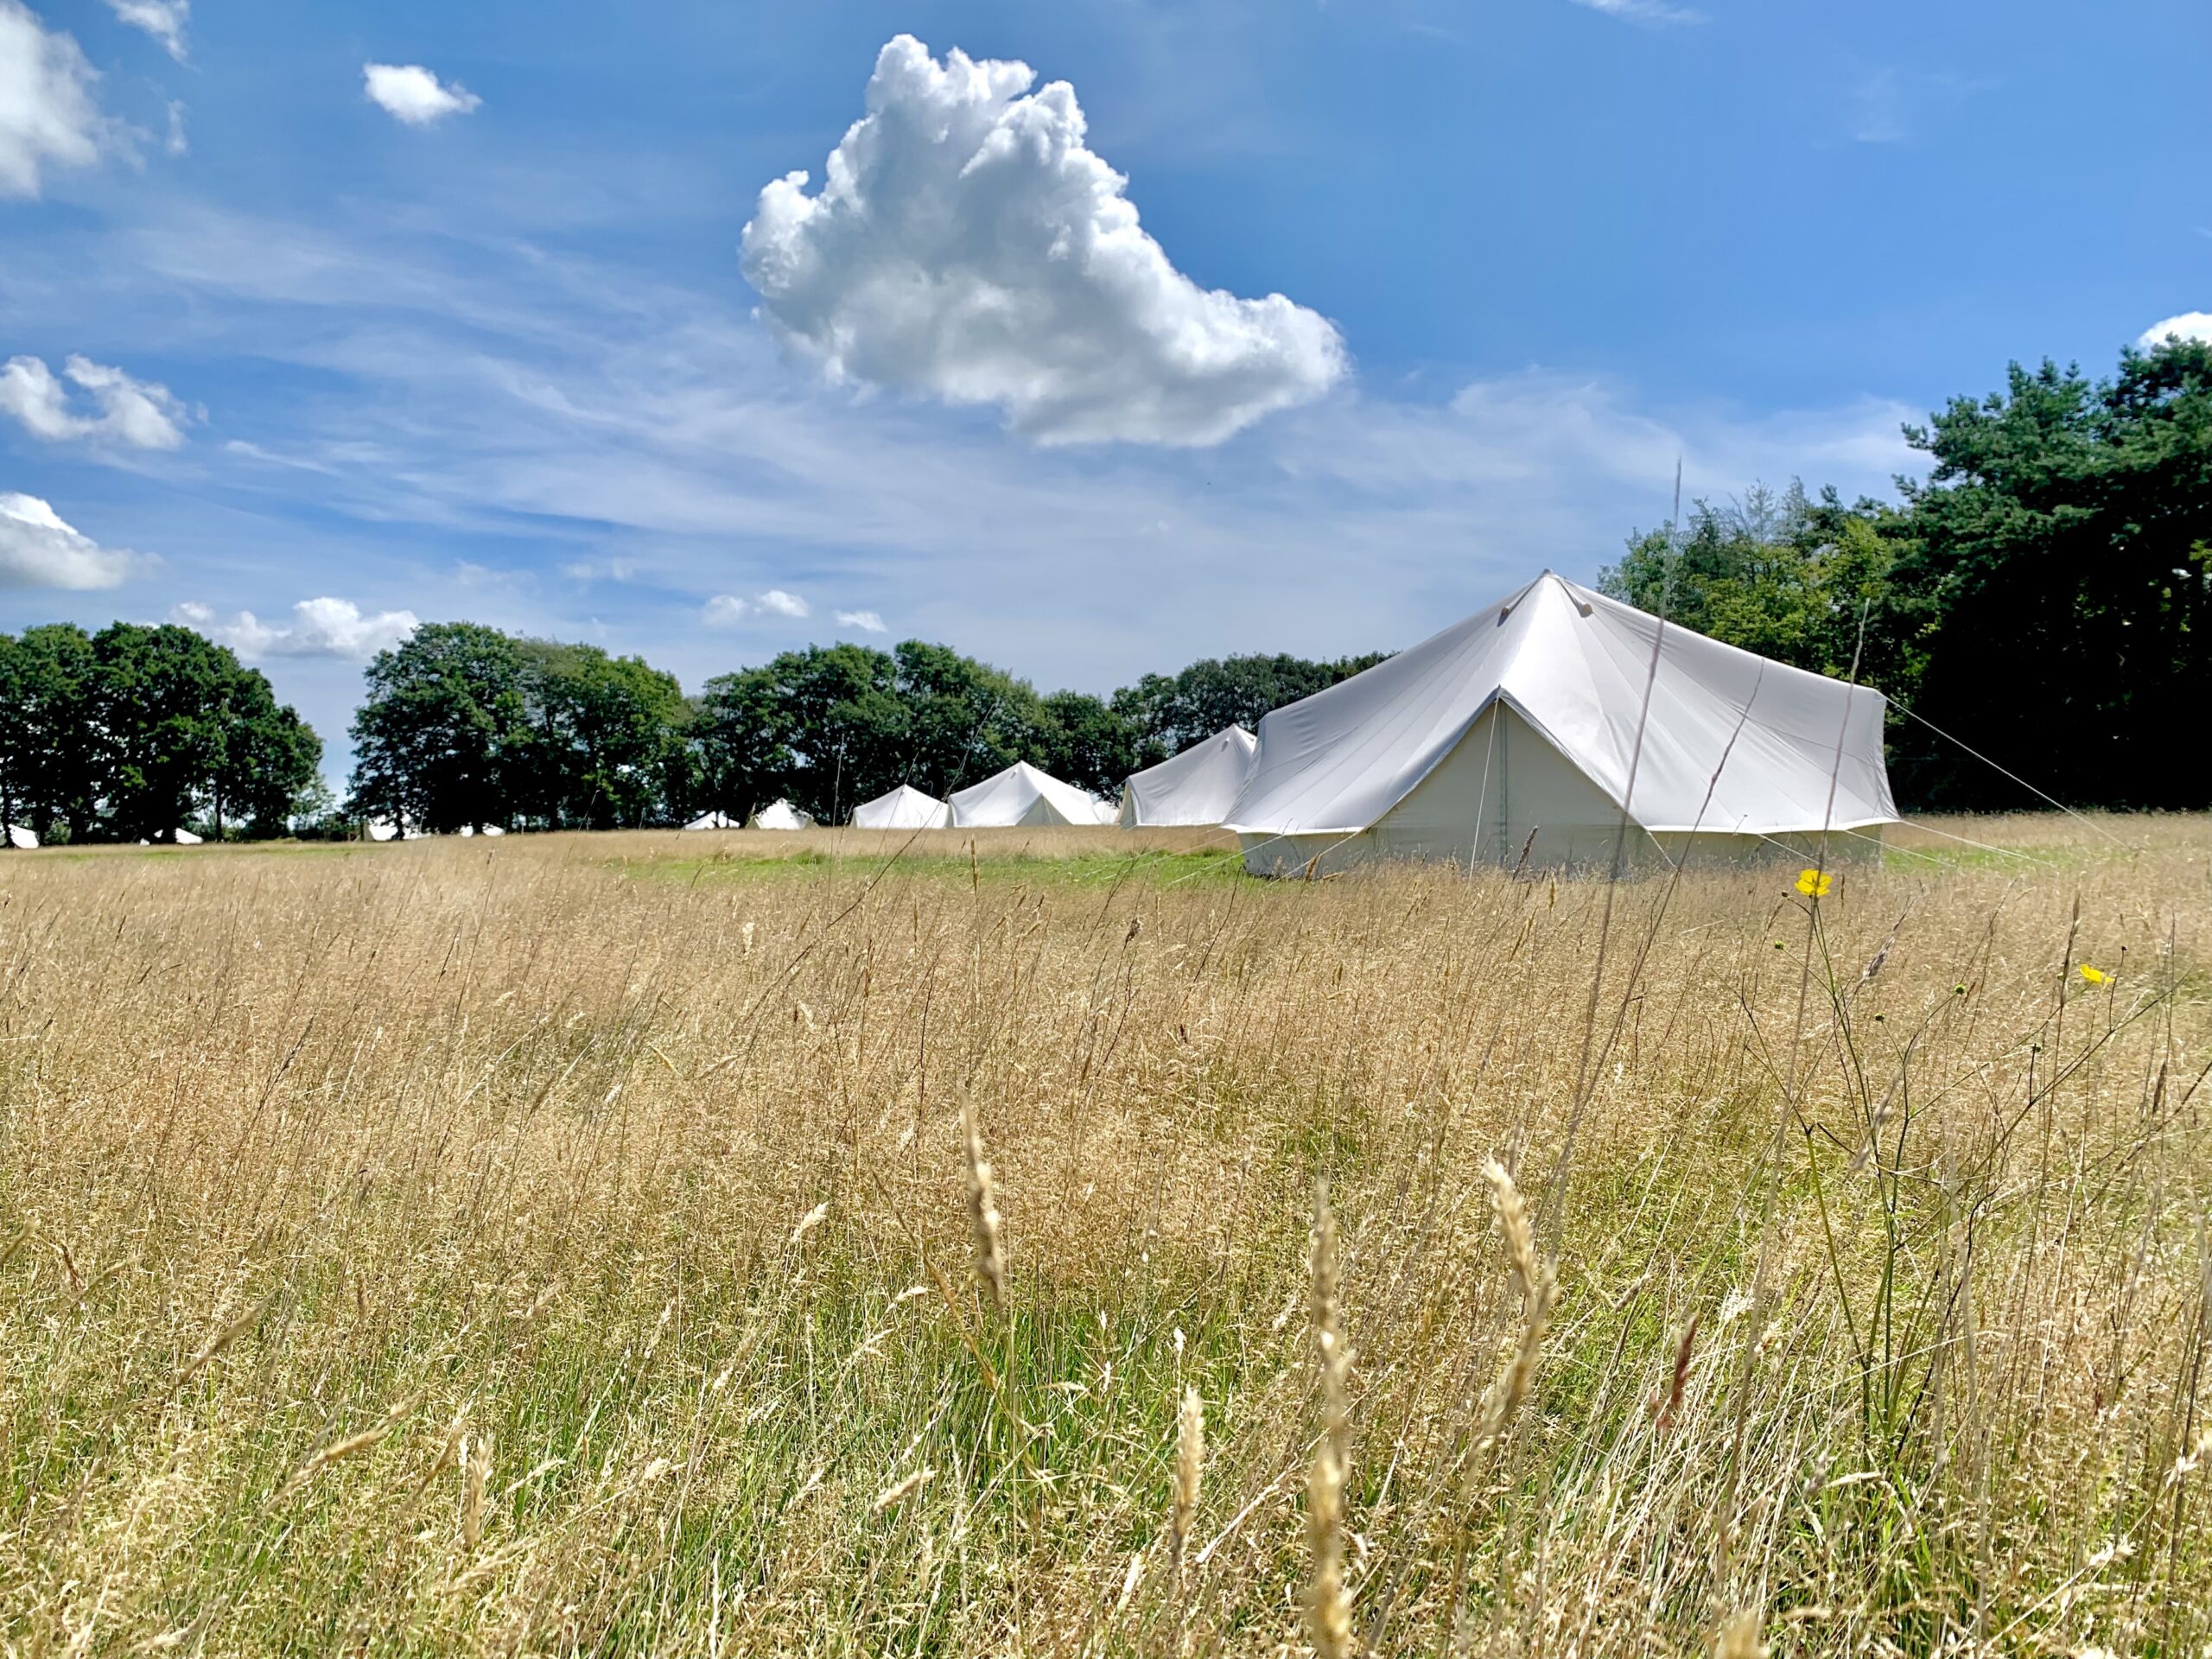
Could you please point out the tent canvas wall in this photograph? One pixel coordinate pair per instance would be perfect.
(904, 808)
(1021, 795)
(712, 821)
(1514, 733)
(1197, 787)
(779, 815)
(20, 837)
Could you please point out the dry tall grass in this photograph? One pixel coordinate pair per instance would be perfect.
(546, 1246)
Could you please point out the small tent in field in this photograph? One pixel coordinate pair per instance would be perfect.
(712, 821)
(184, 838)
(779, 815)
(1022, 795)
(1197, 787)
(19, 836)
(1524, 732)
(904, 808)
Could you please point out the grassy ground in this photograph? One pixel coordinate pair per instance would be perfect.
(573, 1244)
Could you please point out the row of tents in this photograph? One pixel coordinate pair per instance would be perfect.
(1557, 726)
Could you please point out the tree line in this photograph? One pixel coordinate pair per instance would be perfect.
(465, 725)
(2043, 598)
(134, 733)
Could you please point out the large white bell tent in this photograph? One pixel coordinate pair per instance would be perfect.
(1197, 787)
(714, 821)
(1021, 795)
(21, 837)
(904, 808)
(1523, 733)
(779, 815)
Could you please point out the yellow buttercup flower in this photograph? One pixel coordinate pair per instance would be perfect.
(1814, 884)
(2096, 976)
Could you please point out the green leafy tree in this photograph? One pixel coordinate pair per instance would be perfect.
(1089, 742)
(438, 737)
(2056, 569)
(162, 715)
(601, 742)
(1167, 712)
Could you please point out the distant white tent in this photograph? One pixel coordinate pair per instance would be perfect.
(1022, 795)
(184, 838)
(491, 830)
(385, 829)
(779, 815)
(712, 821)
(20, 837)
(1516, 732)
(904, 808)
(1197, 787)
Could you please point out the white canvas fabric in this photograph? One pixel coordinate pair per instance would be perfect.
(904, 808)
(712, 821)
(184, 838)
(18, 835)
(1022, 795)
(779, 815)
(1197, 787)
(1516, 731)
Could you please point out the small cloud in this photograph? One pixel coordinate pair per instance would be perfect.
(37, 550)
(2190, 325)
(1877, 109)
(968, 245)
(135, 413)
(47, 117)
(727, 610)
(1652, 14)
(176, 143)
(409, 92)
(318, 627)
(866, 621)
(586, 570)
(162, 19)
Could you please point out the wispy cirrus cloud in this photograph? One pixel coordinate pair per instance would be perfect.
(1651, 14)
(164, 20)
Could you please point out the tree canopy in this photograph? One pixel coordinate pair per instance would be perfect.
(136, 731)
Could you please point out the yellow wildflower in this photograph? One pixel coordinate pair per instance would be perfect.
(1814, 884)
(2095, 976)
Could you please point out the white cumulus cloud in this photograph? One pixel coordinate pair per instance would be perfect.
(318, 627)
(866, 621)
(968, 245)
(162, 19)
(2190, 325)
(727, 610)
(411, 94)
(125, 411)
(37, 550)
(47, 117)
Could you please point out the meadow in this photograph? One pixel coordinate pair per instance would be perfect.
(1012, 1244)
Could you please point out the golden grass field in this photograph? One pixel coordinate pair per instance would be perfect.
(573, 1244)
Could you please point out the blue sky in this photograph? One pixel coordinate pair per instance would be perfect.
(501, 361)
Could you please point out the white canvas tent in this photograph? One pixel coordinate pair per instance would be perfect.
(385, 829)
(904, 808)
(712, 821)
(184, 838)
(1197, 787)
(1022, 795)
(779, 815)
(1514, 733)
(20, 837)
